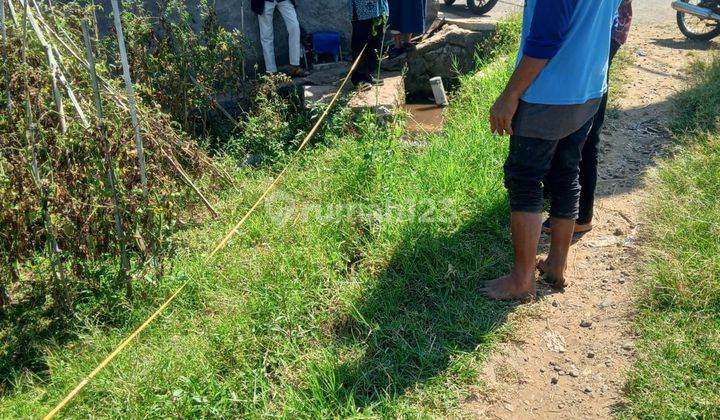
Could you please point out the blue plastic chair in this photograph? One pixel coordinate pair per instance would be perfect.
(327, 42)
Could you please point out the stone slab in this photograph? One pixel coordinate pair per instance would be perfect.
(385, 98)
(475, 23)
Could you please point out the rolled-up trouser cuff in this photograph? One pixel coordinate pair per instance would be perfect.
(525, 195)
(533, 161)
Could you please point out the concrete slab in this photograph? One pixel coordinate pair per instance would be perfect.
(386, 98)
(322, 93)
(471, 23)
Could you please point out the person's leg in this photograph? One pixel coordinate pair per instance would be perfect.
(397, 39)
(589, 163)
(360, 32)
(527, 164)
(287, 10)
(564, 181)
(267, 37)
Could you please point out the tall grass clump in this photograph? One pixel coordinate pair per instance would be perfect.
(353, 294)
(677, 374)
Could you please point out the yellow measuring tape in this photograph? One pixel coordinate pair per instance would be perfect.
(126, 342)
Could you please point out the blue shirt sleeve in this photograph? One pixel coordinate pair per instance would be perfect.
(550, 23)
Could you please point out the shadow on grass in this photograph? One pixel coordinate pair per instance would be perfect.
(425, 308)
(24, 330)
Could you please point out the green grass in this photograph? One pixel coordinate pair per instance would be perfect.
(677, 374)
(375, 312)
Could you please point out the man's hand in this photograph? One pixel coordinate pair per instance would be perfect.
(504, 109)
(502, 113)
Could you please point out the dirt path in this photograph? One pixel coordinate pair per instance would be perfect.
(569, 353)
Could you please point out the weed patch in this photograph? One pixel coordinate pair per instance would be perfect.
(678, 371)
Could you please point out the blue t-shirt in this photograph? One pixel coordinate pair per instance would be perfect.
(575, 36)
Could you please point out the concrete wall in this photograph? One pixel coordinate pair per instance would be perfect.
(314, 15)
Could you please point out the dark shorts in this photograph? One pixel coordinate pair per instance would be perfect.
(557, 162)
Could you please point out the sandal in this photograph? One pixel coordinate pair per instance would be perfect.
(297, 72)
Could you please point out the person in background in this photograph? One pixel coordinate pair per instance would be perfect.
(589, 163)
(368, 28)
(407, 17)
(547, 109)
(265, 9)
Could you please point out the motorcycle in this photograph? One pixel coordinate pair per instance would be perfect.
(479, 7)
(698, 19)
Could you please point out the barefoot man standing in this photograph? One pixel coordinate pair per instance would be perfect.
(547, 109)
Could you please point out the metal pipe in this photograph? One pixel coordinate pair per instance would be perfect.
(698, 11)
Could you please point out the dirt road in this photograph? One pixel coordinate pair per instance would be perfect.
(569, 353)
(646, 11)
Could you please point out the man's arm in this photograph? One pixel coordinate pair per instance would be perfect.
(550, 23)
(503, 111)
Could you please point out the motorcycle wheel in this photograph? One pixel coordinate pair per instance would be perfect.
(694, 27)
(449, 2)
(480, 7)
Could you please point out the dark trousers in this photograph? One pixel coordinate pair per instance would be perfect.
(370, 32)
(532, 161)
(589, 163)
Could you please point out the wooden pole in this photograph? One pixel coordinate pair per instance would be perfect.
(6, 64)
(124, 260)
(131, 97)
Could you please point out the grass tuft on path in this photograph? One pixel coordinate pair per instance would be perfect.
(678, 371)
(353, 293)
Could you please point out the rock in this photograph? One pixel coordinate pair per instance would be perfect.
(446, 53)
(542, 370)
(585, 324)
(588, 390)
(605, 304)
(555, 342)
(618, 232)
(574, 372)
(554, 380)
(554, 303)
(628, 345)
(561, 406)
(590, 355)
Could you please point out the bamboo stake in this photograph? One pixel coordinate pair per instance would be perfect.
(12, 13)
(55, 252)
(54, 66)
(189, 182)
(242, 29)
(6, 64)
(72, 51)
(124, 260)
(131, 97)
(57, 97)
(94, 21)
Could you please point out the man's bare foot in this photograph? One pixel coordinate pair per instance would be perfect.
(510, 288)
(551, 274)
